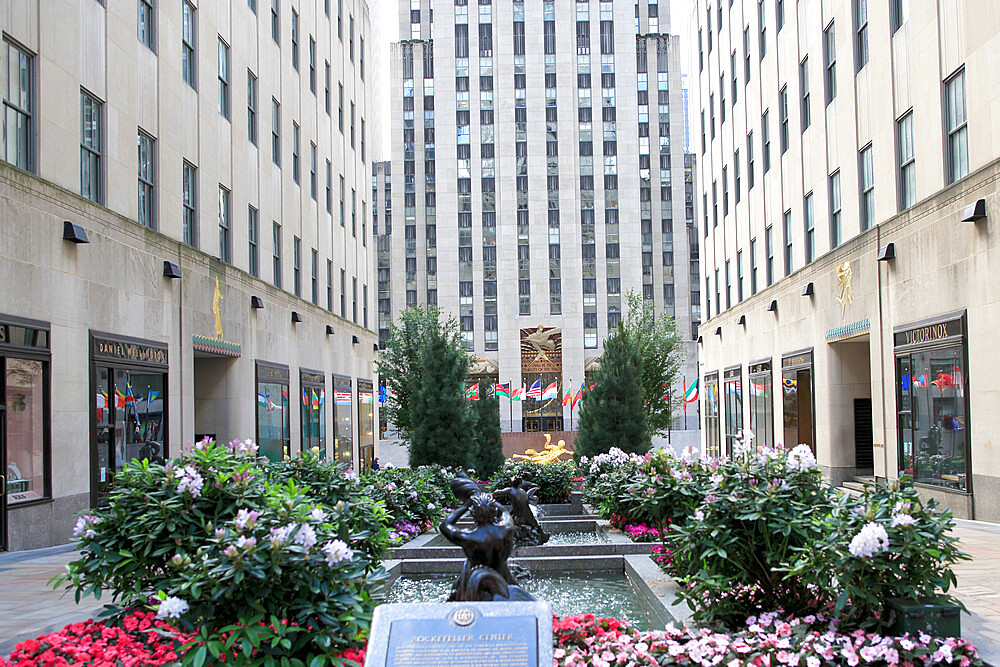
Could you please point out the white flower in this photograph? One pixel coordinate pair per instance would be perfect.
(190, 480)
(800, 459)
(413, 495)
(84, 526)
(246, 518)
(244, 542)
(280, 535)
(872, 539)
(903, 520)
(306, 536)
(699, 515)
(689, 453)
(317, 514)
(172, 608)
(431, 506)
(337, 551)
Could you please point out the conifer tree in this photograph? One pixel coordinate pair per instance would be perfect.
(442, 428)
(612, 413)
(489, 445)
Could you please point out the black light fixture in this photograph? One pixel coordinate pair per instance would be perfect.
(329, 329)
(700, 340)
(171, 270)
(374, 347)
(718, 331)
(354, 340)
(975, 211)
(773, 306)
(256, 302)
(808, 290)
(74, 232)
(742, 321)
(886, 253)
(296, 317)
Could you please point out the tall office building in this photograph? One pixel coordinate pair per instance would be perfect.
(535, 181)
(848, 170)
(187, 247)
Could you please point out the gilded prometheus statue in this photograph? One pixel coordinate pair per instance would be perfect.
(550, 455)
(217, 309)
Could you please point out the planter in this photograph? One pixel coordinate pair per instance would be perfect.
(937, 620)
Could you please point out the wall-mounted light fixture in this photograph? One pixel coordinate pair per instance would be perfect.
(808, 290)
(773, 306)
(975, 211)
(355, 340)
(700, 340)
(886, 253)
(171, 270)
(742, 321)
(374, 347)
(329, 329)
(74, 233)
(296, 317)
(718, 331)
(256, 302)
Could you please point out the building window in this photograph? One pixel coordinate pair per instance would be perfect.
(329, 285)
(147, 180)
(712, 444)
(761, 404)
(729, 287)
(90, 147)
(354, 300)
(779, 13)
(329, 187)
(295, 40)
(340, 20)
(27, 388)
(296, 167)
(958, 137)
(361, 57)
(900, 13)
(783, 119)
(787, 231)
(364, 305)
(354, 212)
(866, 173)
(223, 79)
(746, 55)
(810, 227)
(350, 38)
(189, 203)
(765, 130)
(276, 21)
(711, 115)
(343, 293)
(352, 125)
(251, 108)
(313, 182)
(725, 191)
(769, 255)
(750, 164)
(739, 276)
(18, 101)
(362, 141)
(342, 214)
(804, 88)
(835, 231)
(861, 33)
(315, 276)
(736, 176)
(225, 233)
(147, 26)
(275, 132)
(276, 254)
(830, 62)
(326, 88)
(340, 107)
(907, 166)
(312, 65)
(253, 241)
(188, 42)
(753, 266)
(297, 266)
(733, 393)
(761, 22)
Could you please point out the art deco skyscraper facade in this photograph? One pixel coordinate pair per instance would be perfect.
(537, 177)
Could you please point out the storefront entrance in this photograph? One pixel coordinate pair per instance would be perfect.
(273, 421)
(24, 417)
(797, 399)
(129, 385)
(733, 381)
(366, 423)
(343, 419)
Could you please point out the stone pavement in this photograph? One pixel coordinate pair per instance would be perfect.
(30, 607)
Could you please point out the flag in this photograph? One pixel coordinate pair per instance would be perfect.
(305, 397)
(757, 389)
(691, 393)
(501, 390)
(577, 398)
(342, 397)
(921, 381)
(129, 395)
(315, 399)
(284, 394)
(790, 384)
(119, 399)
(944, 380)
(536, 390)
(472, 393)
(666, 392)
(904, 382)
(151, 396)
(568, 393)
(383, 394)
(552, 391)
(517, 394)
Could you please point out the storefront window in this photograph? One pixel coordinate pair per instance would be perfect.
(313, 411)
(761, 405)
(734, 407)
(366, 422)
(273, 417)
(797, 400)
(343, 414)
(25, 437)
(712, 444)
(933, 423)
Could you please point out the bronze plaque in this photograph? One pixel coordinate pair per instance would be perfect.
(541, 350)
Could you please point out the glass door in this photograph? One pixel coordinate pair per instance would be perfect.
(3, 467)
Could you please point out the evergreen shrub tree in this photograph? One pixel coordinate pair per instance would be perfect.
(489, 445)
(442, 428)
(612, 412)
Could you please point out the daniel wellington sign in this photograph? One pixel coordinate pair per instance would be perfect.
(120, 348)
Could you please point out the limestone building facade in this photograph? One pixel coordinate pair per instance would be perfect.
(215, 157)
(537, 176)
(848, 163)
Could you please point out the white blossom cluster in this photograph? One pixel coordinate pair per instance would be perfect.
(337, 551)
(613, 459)
(317, 514)
(246, 518)
(190, 480)
(246, 447)
(870, 540)
(172, 608)
(85, 526)
(800, 459)
(902, 520)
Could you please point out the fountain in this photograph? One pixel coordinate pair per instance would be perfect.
(518, 495)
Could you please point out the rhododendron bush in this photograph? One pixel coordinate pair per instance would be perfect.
(554, 480)
(418, 496)
(227, 541)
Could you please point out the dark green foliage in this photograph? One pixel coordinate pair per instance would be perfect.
(489, 446)
(612, 413)
(443, 432)
(554, 480)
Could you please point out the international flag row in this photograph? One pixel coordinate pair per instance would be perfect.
(535, 391)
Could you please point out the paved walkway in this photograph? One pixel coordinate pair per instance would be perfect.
(30, 607)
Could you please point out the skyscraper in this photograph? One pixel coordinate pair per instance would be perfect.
(536, 180)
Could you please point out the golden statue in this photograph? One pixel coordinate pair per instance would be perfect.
(216, 301)
(845, 294)
(550, 455)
